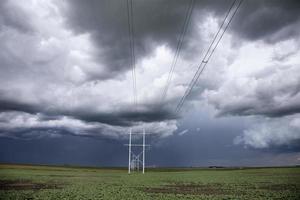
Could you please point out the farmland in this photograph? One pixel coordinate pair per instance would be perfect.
(50, 182)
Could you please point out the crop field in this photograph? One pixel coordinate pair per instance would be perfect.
(46, 182)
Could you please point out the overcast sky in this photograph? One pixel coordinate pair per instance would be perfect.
(66, 93)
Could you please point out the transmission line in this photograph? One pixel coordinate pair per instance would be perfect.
(212, 47)
(132, 51)
(178, 48)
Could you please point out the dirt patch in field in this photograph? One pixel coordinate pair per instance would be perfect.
(280, 187)
(192, 189)
(217, 188)
(27, 185)
(64, 175)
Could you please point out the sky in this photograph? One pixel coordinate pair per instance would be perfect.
(66, 84)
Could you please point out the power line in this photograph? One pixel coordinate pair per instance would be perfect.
(208, 54)
(132, 51)
(178, 48)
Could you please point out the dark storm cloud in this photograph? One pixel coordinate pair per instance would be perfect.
(269, 20)
(155, 23)
(269, 111)
(159, 22)
(106, 22)
(13, 17)
(34, 80)
(8, 105)
(127, 117)
(150, 113)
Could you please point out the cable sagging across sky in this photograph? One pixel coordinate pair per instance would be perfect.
(212, 47)
(132, 51)
(178, 48)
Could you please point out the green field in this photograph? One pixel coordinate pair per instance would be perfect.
(45, 182)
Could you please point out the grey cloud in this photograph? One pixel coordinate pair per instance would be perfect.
(251, 108)
(282, 134)
(8, 105)
(159, 22)
(271, 21)
(267, 94)
(31, 76)
(27, 126)
(14, 17)
(124, 117)
(35, 67)
(155, 22)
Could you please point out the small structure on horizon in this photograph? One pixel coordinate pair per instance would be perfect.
(135, 160)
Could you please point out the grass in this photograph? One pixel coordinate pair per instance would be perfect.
(46, 182)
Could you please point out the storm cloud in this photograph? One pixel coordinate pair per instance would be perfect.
(271, 21)
(65, 67)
